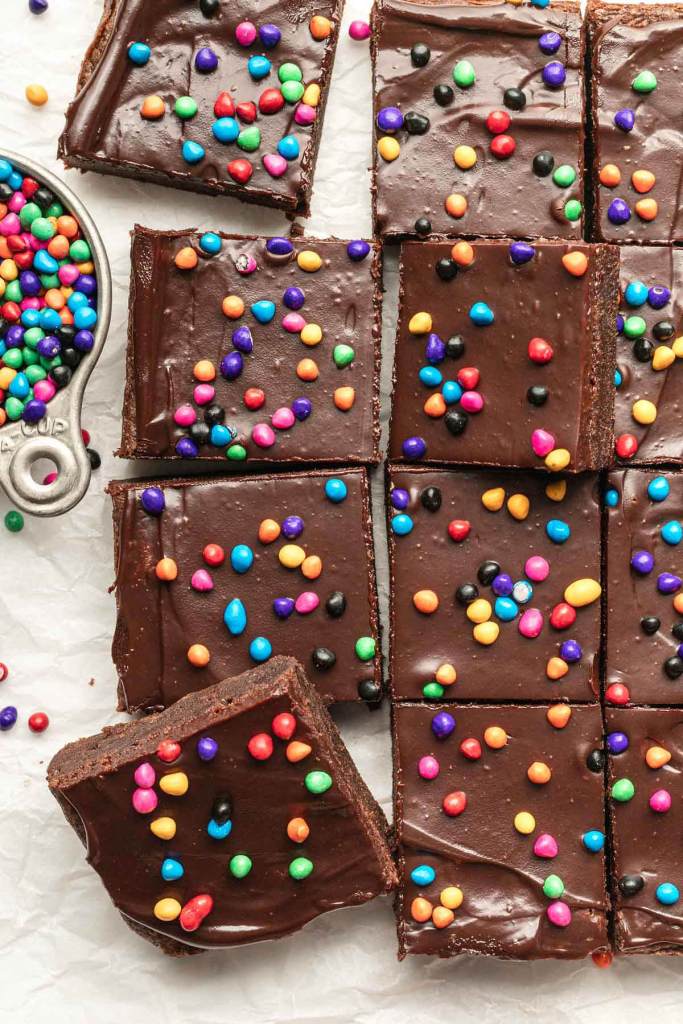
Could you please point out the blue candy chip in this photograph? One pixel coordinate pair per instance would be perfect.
(558, 530)
(430, 376)
(505, 608)
(241, 558)
(611, 498)
(172, 870)
(217, 831)
(658, 488)
(225, 129)
(402, 524)
(210, 243)
(336, 490)
(451, 391)
(423, 874)
(667, 893)
(672, 532)
(636, 294)
(192, 152)
(289, 147)
(263, 310)
(260, 648)
(593, 840)
(139, 53)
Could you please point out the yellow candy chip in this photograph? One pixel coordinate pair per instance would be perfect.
(644, 412)
(309, 261)
(678, 348)
(311, 334)
(163, 828)
(556, 490)
(479, 610)
(175, 784)
(518, 506)
(311, 96)
(493, 499)
(9, 270)
(464, 157)
(420, 323)
(167, 910)
(582, 592)
(451, 897)
(524, 823)
(486, 633)
(446, 674)
(291, 556)
(388, 148)
(663, 357)
(557, 459)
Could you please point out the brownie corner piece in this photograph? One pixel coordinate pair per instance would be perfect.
(644, 620)
(233, 817)
(246, 120)
(500, 825)
(636, 51)
(252, 351)
(645, 793)
(505, 354)
(215, 574)
(479, 111)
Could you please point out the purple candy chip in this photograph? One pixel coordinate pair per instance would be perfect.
(153, 501)
(618, 211)
(550, 42)
(414, 447)
(625, 119)
(521, 252)
(554, 74)
(390, 119)
(643, 562)
(302, 408)
(358, 250)
(400, 498)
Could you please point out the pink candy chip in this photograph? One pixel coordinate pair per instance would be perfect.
(536, 568)
(283, 419)
(263, 436)
(359, 30)
(660, 801)
(45, 390)
(530, 623)
(201, 580)
(204, 393)
(185, 416)
(245, 33)
(472, 401)
(293, 323)
(275, 164)
(306, 602)
(145, 801)
(542, 442)
(145, 776)
(559, 913)
(304, 114)
(68, 274)
(428, 767)
(545, 846)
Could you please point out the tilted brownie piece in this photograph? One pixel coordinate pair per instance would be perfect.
(500, 823)
(479, 111)
(495, 585)
(258, 349)
(636, 130)
(505, 354)
(235, 816)
(644, 596)
(648, 407)
(226, 102)
(214, 575)
(645, 769)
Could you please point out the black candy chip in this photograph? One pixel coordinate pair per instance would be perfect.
(431, 499)
(415, 124)
(629, 885)
(214, 414)
(650, 624)
(370, 691)
(663, 330)
(66, 333)
(446, 269)
(61, 375)
(537, 395)
(674, 667)
(209, 7)
(444, 95)
(514, 99)
(335, 605)
(200, 433)
(467, 593)
(323, 658)
(487, 572)
(455, 421)
(6, 191)
(543, 163)
(43, 197)
(420, 55)
(94, 457)
(455, 347)
(423, 225)
(595, 762)
(70, 357)
(642, 350)
(677, 630)
(221, 810)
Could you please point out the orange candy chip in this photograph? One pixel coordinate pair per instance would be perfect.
(166, 569)
(435, 406)
(576, 263)
(320, 27)
(307, 369)
(539, 773)
(204, 370)
(298, 830)
(311, 567)
(463, 254)
(647, 209)
(153, 108)
(495, 737)
(297, 751)
(344, 398)
(198, 655)
(657, 757)
(643, 181)
(426, 601)
(610, 175)
(232, 307)
(558, 715)
(186, 259)
(456, 205)
(268, 531)
(421, 909)
(442, 917)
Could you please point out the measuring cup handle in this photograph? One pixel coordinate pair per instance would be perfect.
(73, 474)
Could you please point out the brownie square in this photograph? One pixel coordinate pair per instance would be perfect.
(225, 103)
(500, 819)
(496, 83)
(505, 354)
(646, 795)
(481, 569)
(644, 599)
(280, 364)
(214, 575)
(235, 816)
(636, 126)
(648, 406)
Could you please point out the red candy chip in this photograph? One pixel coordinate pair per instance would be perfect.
(38, 722)
(24, 260)
(454, 803)
(602, 958)
(194, 912)
(224, 105)
(617, 693)
(240, 171)
(271, 101)
(498, 121)
(254, 398)
(10, 311)
(213, 554)
(284, 726)
(168, 750)
(246, 112)
(86, 437)
(540, 350)
(260, 746)
(626, 446)
(29, 187)
(468, 376)
(503, 146)
(4, 672)
(471, 749)
(16, 243)
(562, 616)
(458, 530)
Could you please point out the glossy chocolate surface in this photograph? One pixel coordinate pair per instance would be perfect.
(106, 132)
(514, 667)
(504, 196)
(627, 40)
(177, 320)
(636, 657)
(647, 843)
(503, 911)
(158, 621)
(538, 299)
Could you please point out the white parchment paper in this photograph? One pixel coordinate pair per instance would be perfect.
(65, 955)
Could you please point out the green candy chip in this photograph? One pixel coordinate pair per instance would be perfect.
(318, 782)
